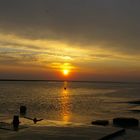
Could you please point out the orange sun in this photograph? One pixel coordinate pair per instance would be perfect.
(65, 72)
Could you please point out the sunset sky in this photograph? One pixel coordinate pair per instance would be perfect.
(90, 39)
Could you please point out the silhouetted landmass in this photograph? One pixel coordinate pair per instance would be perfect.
(135, 111)
(134, 102)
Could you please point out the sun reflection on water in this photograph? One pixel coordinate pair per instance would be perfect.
(65, 103)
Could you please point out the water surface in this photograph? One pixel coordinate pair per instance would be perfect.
(80, 102)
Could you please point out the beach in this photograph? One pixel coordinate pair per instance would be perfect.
(54, 130)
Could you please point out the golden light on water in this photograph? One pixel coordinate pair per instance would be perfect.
(65, 102)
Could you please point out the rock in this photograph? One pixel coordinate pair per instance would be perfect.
(15, 122)
(125, 122)
(100, 122)
(23, 110)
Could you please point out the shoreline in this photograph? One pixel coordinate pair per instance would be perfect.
(54, 130)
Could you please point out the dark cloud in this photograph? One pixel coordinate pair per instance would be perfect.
(109, 24)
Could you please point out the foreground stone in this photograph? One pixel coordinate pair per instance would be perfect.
(125, 122)
(100, 122)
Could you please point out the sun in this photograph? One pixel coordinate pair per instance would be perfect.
(65, 72)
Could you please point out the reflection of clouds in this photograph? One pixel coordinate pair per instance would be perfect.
(65, 104)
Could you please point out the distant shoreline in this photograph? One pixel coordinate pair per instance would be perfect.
(25, 80)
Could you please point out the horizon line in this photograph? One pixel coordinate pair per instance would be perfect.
(86, 81)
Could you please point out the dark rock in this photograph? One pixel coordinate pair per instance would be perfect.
(125, 122)
(15, 122)
(23, 110)
(100, 122)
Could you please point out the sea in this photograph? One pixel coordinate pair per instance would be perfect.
(76, 102)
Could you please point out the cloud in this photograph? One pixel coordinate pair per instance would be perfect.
(17, 50)
(87, 35)
(110, 24)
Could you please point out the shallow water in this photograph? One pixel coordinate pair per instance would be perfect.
(81, 102)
